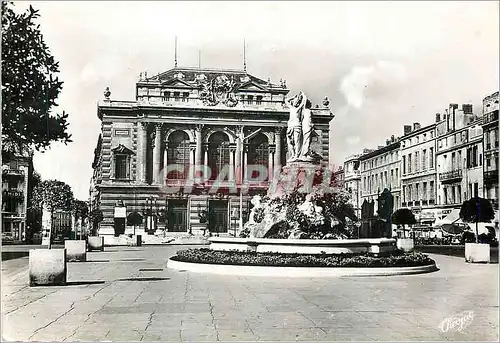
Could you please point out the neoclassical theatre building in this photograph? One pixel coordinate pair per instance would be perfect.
(184, 149)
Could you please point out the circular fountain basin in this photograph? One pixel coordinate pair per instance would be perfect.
(305, 246)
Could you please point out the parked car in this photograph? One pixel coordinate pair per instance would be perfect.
(7, 239)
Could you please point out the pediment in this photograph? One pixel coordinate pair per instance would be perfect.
(250, 86)
(122, 149)
(176, 83)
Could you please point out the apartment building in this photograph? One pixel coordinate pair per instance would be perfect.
(380, 169)
(490, 148)
(459, 156)
(418, 171)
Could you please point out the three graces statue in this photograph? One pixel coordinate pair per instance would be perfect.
(300, 129)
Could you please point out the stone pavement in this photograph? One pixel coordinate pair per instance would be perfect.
(129, 294)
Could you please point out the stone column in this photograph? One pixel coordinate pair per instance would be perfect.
(192, 161)
(165, 163)
(238, 153)
(231, 164)
(138, 159)
(245, 161)
(277, 153)
(198, 130)
(270, 172)
(142, 161)
(206, 154)
(157, 154)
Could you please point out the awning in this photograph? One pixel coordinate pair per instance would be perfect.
(452, 217)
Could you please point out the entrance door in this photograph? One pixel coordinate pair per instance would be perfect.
(218, 216)
(177, 216)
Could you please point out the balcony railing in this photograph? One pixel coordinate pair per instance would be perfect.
(491, 176)
(13, 172)
(490, 117)
(450, 176)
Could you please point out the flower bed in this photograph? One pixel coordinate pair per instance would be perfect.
(396, 259)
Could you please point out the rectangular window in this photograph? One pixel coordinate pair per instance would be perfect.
(488, 162)
(459, 193)
(425, 196)
(397, 176)
(177, 95)
(409, 163)
(404, 165)
(166, 96)
(121, 132)
(417, 192)
(250, 99)
(424, 160)
(417, 162)
(453, 161)
(475, 161)
(452, 195)
(185, 97)
(431, 190)
(121, 167)
(476, 189)
(431, 158)
(259, 100)
(404, 194)
(445, 190)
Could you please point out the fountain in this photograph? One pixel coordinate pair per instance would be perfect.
(303, 213)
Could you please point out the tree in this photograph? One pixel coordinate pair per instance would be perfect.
(95, 217)
(33, 214)
(30, 86)
(477, 210)
(81, 211)
(52, 195)
(134, 219)
(403, 216)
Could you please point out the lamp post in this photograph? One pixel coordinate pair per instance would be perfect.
(242, 140)
(152, 209)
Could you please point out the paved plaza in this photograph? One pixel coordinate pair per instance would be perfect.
(128, 293)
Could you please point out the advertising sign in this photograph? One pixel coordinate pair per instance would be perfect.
(120, 212)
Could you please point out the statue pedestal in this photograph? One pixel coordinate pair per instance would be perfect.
(299, 177)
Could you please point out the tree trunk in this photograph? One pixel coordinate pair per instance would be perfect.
(477, 232)
(50, 230)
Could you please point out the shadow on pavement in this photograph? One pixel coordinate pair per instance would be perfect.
(73, 283)
(145, 279)
(97, 261)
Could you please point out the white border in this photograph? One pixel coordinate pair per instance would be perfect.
(306, 272)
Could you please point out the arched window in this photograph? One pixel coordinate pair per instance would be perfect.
(258, 152)
(218, 153)
(178, 153)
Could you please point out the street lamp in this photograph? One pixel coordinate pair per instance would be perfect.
(152, 209)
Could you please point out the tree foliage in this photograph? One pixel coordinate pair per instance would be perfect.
(134, 219)
(30, 85)
(54, 194)
(403, 216)
(477, 210)
(81, 209)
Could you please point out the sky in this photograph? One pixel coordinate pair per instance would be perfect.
(381, 64)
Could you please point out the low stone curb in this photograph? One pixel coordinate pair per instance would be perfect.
(306, 272)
